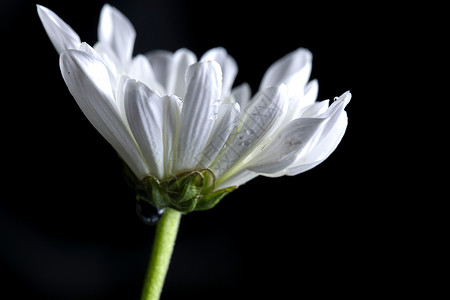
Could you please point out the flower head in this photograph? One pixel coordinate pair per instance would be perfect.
(187, 136)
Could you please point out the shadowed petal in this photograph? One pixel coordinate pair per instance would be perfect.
(160, 60)
(176, 81)
(297, 136)
(261, 118)
(311, 92)
(144, 111)
(225, 125)
(236, 180)
(88, 81)
(141, 70)
(172, 111)
(242, 94)
(314, 109)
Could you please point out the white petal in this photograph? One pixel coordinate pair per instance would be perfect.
(297, 136)
(292, 171)
(311, 92)
(293, 70)
(88, 81)
(334, 128)
(109, 58)
(261, 118)
(200, 108)
(160, 60)
(172, 112)
(242, 94)
(321, 152)
(334, 124)
(98, 55)
(227, 64)
(225, 125)
(237, 179)
(299, 103)
(181, 61)
(63, 37)
(334, 111)
(142, 71)
(144, 110)
(117, 32)
(314, 109)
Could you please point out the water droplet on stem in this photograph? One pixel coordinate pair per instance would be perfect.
(148, 213)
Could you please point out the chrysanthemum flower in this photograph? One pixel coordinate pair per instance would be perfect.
(187, 135)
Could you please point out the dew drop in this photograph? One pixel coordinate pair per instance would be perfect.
(335, 98)
(244, 143)
(213, 117)
(148, 213)
(249, 131)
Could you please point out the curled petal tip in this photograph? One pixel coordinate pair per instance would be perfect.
(62, 36)
(346, 97)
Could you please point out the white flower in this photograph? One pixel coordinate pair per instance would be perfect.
(168, 113)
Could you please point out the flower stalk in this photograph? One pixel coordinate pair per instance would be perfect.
(166, 233)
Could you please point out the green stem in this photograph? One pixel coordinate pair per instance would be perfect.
(166, 233)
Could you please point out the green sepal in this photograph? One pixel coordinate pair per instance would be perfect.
(208, 181)
(184, 192)
(182, 189)
(210, 200)
(157, 196)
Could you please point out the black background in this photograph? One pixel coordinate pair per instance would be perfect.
(68, 227)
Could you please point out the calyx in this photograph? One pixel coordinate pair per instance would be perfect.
(184, 192)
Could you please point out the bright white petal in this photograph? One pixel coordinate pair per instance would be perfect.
(62, 36)
(98, 55)
(176, 82)
(297, 136)
(334, 111)
(144, 110)
(116, 31)
(88, 81)
(334, 128)
(200, 108)
(261, 118)
(324, 149)
(227, 64)
(334, 123)
(293, 70)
